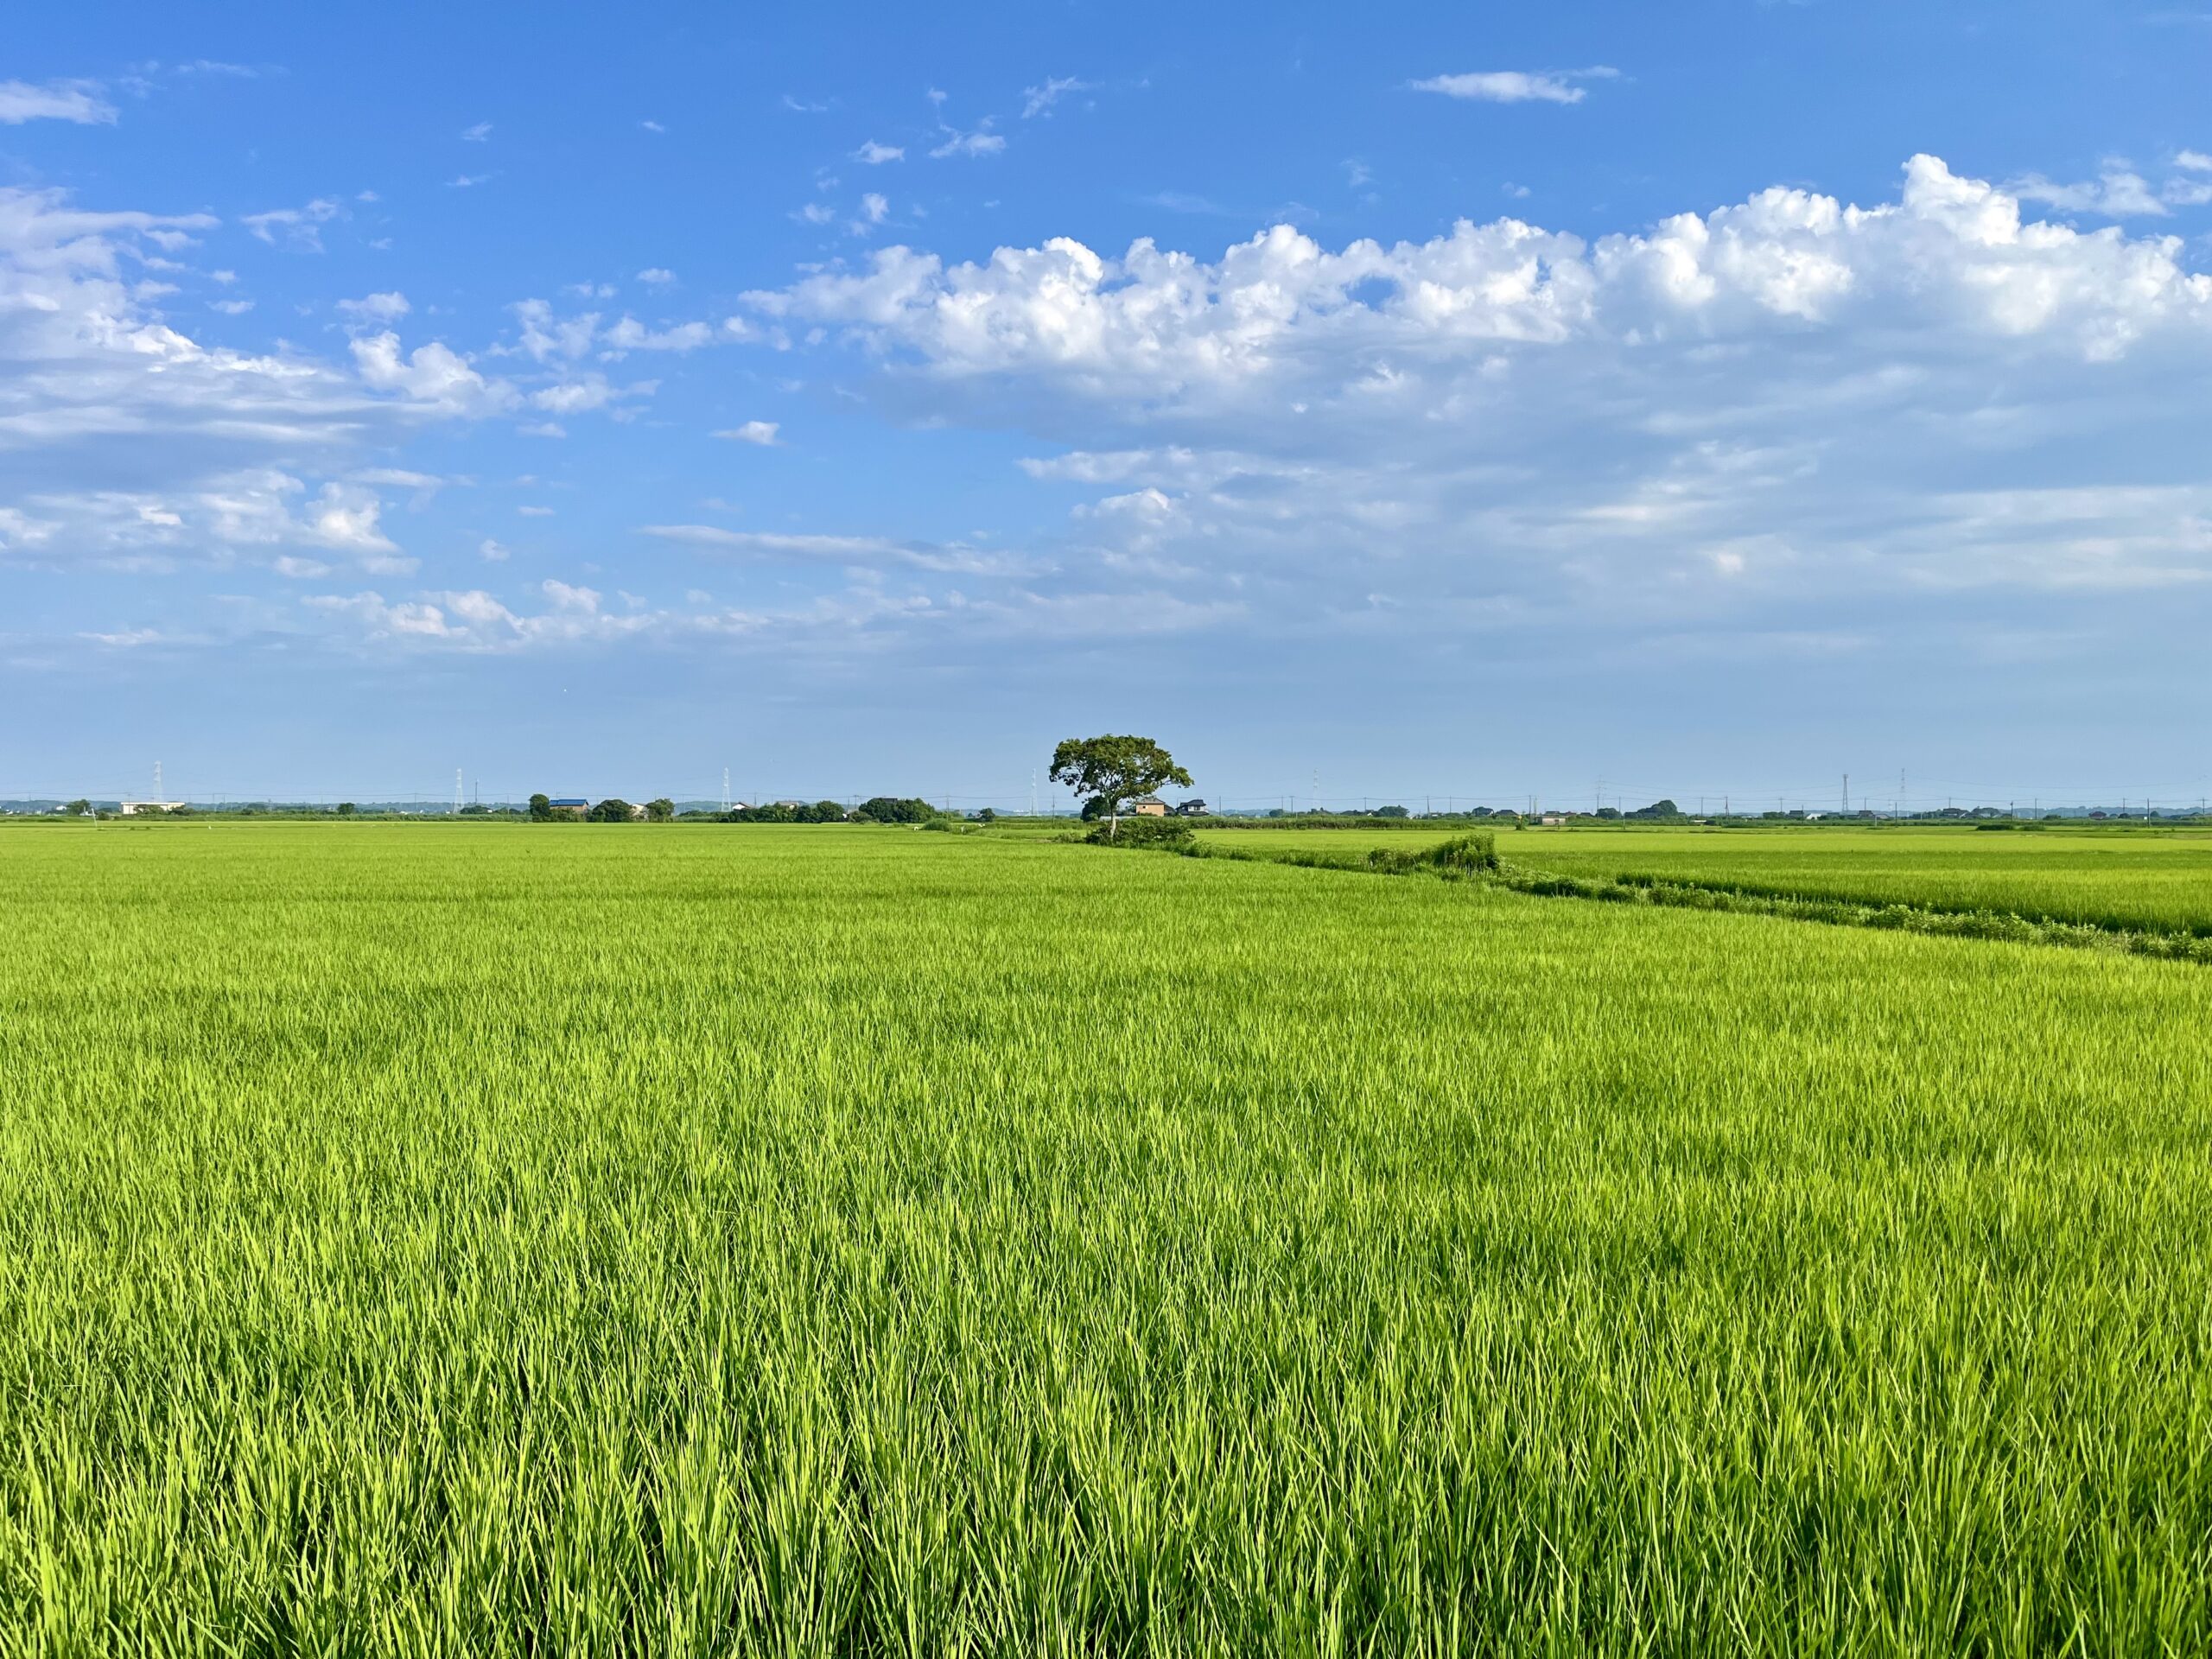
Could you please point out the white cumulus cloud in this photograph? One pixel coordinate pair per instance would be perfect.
(1801, 396)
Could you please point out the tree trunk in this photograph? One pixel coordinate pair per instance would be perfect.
(1114, 821)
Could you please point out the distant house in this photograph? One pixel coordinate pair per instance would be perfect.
(132, 809)
(1148, 806)
(571, 806)
(1551, 818)
(1193, 808)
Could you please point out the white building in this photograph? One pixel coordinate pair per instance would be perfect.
(132, 809)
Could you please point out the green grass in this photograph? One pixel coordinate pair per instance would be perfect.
(469, 1239)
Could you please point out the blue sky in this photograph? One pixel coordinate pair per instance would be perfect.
(1382, 401)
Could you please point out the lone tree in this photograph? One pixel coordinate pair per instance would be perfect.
(1109, 771)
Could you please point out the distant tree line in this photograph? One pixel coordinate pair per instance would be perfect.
(878, 809)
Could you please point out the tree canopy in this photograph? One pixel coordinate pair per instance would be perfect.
(787, 812)
(885, 809)
(1109, 771)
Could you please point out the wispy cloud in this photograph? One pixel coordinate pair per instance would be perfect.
(477, 134)
(760, 432)
(379, 308)
(1038, 100)
(872, 153)
(57, 100)
(981, 141)
(1183, 202)
(301, 226)
(1518, 86)
(954, 557)
(2119, 193)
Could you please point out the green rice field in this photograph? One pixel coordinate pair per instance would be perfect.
(2122, 878)
(481, 1239)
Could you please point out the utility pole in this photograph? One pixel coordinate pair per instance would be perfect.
(456, 792)
(1032, 792)
(1847, 794)
(725, 789)
(157, 780)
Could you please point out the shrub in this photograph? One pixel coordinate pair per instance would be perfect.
(1170, 834)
